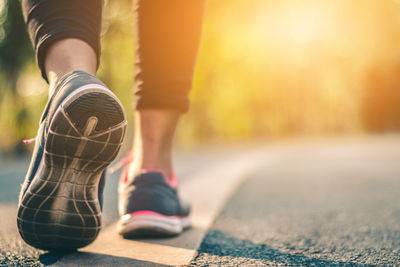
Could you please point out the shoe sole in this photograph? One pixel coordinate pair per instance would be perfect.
(149, 224)
(61, 210)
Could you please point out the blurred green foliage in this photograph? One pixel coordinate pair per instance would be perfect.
(15, 53)
(266, 69)
(15, 48)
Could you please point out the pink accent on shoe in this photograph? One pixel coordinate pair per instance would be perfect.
(28, 141)
(124, 175)
(172, 181)
(152, 213)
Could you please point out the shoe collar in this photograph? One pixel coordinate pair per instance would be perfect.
(172, 181)
(125, 163)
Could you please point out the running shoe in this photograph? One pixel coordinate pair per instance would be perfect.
(149, 206)
(80, 133)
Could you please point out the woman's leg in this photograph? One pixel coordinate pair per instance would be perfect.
(168, 39)
(65, 35)
(66, 55)
(81, 129)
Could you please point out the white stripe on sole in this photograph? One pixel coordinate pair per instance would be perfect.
(171, 226)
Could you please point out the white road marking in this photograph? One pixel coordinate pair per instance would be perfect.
(207, 191)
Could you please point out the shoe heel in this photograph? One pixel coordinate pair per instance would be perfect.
(86, 133)
(61, 210)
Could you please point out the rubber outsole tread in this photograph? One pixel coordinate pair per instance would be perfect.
(60, 210)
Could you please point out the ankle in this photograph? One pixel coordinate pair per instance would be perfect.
(55, 78)
(154, 140)
(171, 179)
(167, 171)
(66, 55)
(140, 164)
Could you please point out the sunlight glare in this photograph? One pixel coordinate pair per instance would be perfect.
(294, 25)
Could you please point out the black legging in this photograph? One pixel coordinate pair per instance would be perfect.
(168, 38)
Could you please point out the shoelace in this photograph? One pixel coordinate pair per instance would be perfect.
(28, 141)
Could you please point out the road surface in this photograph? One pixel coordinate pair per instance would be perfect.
(299, 203)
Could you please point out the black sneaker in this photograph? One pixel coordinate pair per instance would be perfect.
(150, 207)
(80, 133)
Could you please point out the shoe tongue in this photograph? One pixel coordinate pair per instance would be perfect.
(153, 176)
(150, 177)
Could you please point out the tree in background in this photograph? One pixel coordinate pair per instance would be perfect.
(266, 69)
(15, 52)
(15, 48)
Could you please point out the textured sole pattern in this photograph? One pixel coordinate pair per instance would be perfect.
(61, 210)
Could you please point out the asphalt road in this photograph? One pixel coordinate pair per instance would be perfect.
(330, 202)
(15, 252)
(323, 204)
